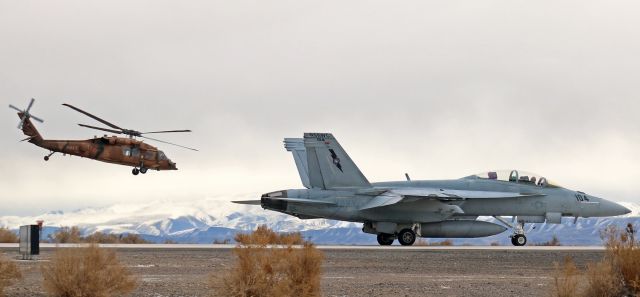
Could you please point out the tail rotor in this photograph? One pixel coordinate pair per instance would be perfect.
(25, 114)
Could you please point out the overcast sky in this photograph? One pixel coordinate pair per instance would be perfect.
(439, 89)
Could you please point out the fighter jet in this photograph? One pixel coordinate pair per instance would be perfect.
(404, 210)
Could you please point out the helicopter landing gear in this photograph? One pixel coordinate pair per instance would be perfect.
(135, 171)
(143, 170)
(46, 158)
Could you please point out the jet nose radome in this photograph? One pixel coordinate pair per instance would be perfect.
(611, 209)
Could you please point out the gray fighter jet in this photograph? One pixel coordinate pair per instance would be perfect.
(336, 189)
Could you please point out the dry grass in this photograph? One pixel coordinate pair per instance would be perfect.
(73, 235)
(67, 235)
(8, 274)
(263, 270)
(623, 252)
(604, 280)
(86, 272)
(7, 236)
(565, 279)
(617, 274)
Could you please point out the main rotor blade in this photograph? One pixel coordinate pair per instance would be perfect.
(98, 128)
(158, 140)
(30, 104)
(36, 118)
(18, 109)
(92, 116)
(169, 131)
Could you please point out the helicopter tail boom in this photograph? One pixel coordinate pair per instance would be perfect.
(30, 130)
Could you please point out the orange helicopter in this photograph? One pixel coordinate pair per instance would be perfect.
(113, 149)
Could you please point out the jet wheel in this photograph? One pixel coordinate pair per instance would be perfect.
(385, 239)
(519, 240)
(143, 170)
(406, 237)
(135, 171)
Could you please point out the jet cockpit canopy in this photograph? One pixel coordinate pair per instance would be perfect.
(516, 176)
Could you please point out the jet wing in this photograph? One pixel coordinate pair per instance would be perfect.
(452, 195)
(382, 200)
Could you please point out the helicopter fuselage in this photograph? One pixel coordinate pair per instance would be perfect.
(116, 150)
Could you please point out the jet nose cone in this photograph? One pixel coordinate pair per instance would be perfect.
(613, 209)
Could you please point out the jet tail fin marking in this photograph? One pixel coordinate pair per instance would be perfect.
(329, 166)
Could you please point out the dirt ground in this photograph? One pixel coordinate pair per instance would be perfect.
(380, 272)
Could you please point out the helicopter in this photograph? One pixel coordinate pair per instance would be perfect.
(126, 151)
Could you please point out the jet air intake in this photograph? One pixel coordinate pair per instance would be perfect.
(460, 229)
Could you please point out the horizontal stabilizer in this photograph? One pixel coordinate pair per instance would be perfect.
(249, 202)
(290, 200)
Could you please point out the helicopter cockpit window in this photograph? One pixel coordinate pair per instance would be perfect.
(126, 151)
(515, 176)
(135, 152)
(161, 156)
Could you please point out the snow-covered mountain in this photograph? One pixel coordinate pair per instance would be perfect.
(207, 220)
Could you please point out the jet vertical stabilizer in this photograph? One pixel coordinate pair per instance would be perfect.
(296, 147)
(329, 165)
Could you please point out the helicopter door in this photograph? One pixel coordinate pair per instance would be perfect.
(149, 155)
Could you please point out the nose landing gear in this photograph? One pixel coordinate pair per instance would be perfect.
(517, 237)
(519, 240)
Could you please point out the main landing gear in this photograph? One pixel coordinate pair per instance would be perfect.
(405, 237)
(386, 239)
